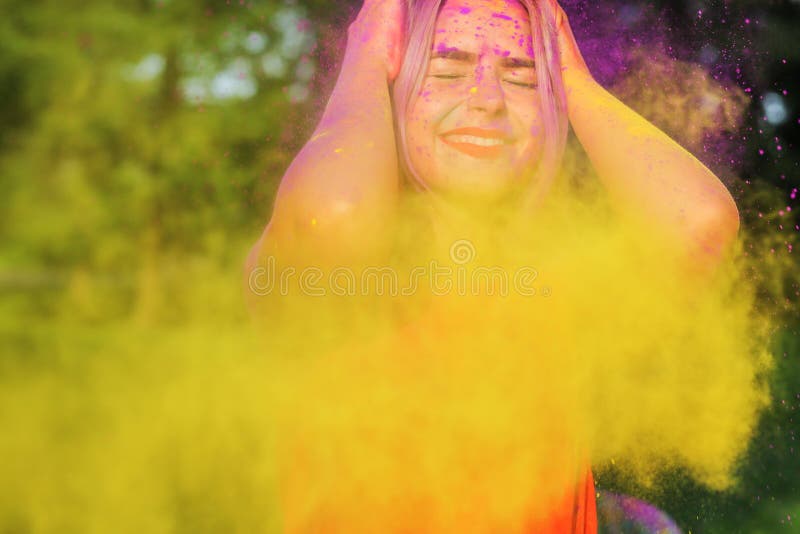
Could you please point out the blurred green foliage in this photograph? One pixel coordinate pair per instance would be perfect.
(132, 131)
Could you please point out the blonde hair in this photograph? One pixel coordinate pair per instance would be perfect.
(420, 25)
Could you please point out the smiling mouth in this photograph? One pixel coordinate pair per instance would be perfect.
(476, 142)
(473, 140)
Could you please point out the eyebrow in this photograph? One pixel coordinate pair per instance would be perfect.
(454, 54)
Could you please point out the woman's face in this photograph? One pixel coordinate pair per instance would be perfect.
(475, 127)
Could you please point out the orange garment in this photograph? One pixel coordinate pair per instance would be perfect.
(311, 509)
(576, 514)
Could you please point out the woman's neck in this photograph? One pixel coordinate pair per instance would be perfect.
(477, 221)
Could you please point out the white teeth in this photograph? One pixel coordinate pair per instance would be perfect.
(481, 141)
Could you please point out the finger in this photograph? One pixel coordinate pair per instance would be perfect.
(561, 15)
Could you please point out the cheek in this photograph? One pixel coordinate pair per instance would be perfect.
(432, 105)
(421, 127)
(532, 124)
(420, 153)
(537, 133)
(417, 135)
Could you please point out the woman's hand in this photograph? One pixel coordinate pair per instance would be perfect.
(379, 30)
(572, 61)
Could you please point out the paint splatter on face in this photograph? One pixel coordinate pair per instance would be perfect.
(475, 128)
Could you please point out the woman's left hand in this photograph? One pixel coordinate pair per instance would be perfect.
(572, 61)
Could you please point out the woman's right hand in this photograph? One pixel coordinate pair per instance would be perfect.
(379, 30)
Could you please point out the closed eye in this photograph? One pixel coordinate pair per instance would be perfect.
(527, 85)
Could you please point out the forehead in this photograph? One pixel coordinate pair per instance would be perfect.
(472, 25)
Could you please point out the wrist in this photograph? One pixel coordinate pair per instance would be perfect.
(579, 84)
(575, 72)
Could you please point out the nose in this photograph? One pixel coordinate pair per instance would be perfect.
(487, 93)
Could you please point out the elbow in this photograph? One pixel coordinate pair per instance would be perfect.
(337, 230)
(725, 221)
(251, 262)
(717, 230)
(250, 277)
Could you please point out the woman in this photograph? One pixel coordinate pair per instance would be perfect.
(343, 185)
(468, 103)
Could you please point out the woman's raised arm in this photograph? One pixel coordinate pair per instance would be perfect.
(336, 199)
(647, 174)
